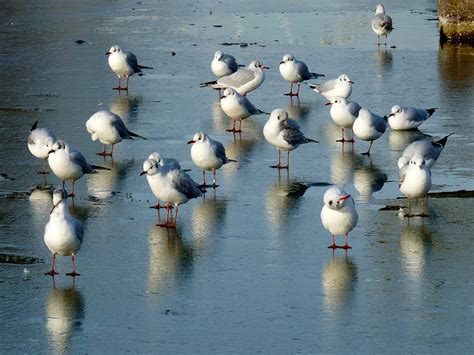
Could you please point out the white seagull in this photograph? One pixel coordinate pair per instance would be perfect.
(63, 234)
(338, 215)
(208, 154)
(403, 118)
(40, 142)
(417, 181)
(173, 186)
(223, 64)
(109, 129)
(124, 64)
(344, 113)
(342, 86)
(284, 133)
(369, 127)
(295, 71)
(69, 164)
(381, 23)
(237, 107)
(244, 80)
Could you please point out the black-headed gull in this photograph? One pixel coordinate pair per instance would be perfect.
(69, 164)
(338, 215)
(341, 86)
(344, 113)
(40, 142)
(208, 154)
(403, 118)
(381, 23)
(173, 186)
(295, 71)
(237, 107)
(62, 234)
(124, 64)
(223, 64)
(368, 126)
(109, 129)
(284, 133)
(416, 181)
(244, 80)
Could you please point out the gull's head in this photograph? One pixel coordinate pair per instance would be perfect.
(256, 64)
(418, 161)
(279, 115)
(287, 58)
(345, 78)
(379, 9)
(198, 137)
(335, 198)
(228, 92)
(48, 143)
(218, 55)
(57, 146)
(155, 156)
(336, 100)
(402, 161)
(395, 109)
(150, 167)
(59, 196)
(113, 49)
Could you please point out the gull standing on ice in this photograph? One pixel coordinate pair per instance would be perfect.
(244, 80)
(344, 113)
(284, 133)
(223, 64)
(69, 164)
(369, 127)
(295, 71)
(173, 186)
(381, 23)
(338, 215)
(237, 107)
(416, 182)
(124, 64)
(63, 234)
(403, 118)
(429, 149)
(40, 142)
(109, 128)
(208, 154)
(342, 86)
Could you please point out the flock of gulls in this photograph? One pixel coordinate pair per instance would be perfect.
(173, 187)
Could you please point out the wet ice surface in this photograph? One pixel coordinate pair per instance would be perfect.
(247, 269)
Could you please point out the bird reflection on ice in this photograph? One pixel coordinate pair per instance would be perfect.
(338, 278)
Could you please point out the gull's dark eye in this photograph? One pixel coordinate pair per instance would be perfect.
(330, 203)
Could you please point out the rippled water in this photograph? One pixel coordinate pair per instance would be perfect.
(247, 269)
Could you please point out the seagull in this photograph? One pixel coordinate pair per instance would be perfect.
(40, 142)
(208, 154)
(284, 133)
(342, 86)
(237, 107)
(69, 164)
(381, 23)
(223, 64)
(170, 163)
(109, 128)
(403, 118)
(369, 127)
(63, 234)
(173, 186)
(244, 80)
(344, 113)
(124, 64)
(417, 181)
(429, 149)
(295, 71)
(338, 215)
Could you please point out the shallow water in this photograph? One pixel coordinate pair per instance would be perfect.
(247, 269)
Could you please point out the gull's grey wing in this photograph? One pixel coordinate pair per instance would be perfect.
(294, 136)
(239, 78)
(382, 21)
(231, 62)
(120, 127)
(220, 151)
(132, 61)
(354, 108)
(328, 85)
(79, 159)
(380, 124)
(79, 228)
(303, 71)
(184, 184)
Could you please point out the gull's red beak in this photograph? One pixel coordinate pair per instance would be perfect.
(350, 81)
(222, 97)
(343, 198)
(265, 67)
(142, 173)
(328, 103)
(191, 141)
